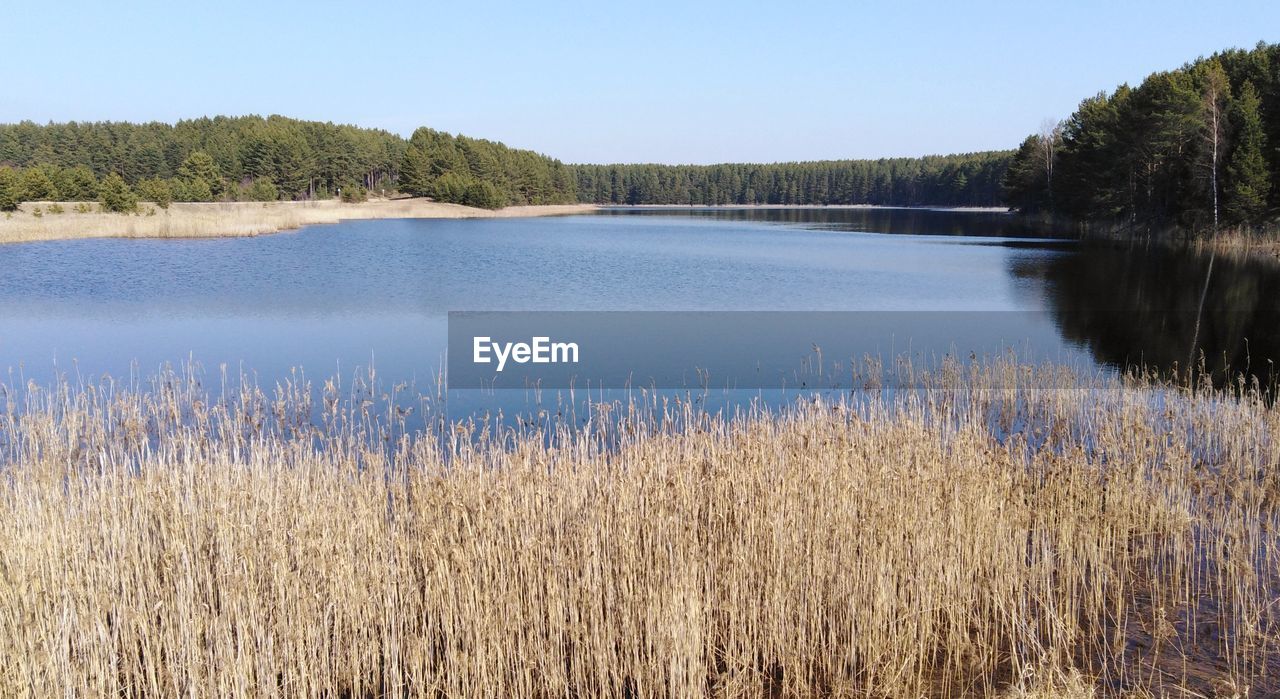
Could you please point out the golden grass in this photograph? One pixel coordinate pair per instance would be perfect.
(233, 219)
(1264, 244)
(1117, 540)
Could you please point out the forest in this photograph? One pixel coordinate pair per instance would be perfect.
(262, 159)
(1192, 149)
(253, 158)
(970, 179)
(480, 173)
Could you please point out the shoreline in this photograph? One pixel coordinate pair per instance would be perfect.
(237, 219)
(683, 207)
(1260, 243)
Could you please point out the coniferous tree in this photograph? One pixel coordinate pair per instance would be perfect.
(451, 187)
(484, 195)
(1026, 188)
(191, 190)
(415, 171)
(156, 191)
(201, 173)
(37, 186)
(116, 196)
(10, 189)
(1247, 182)
(352, 193)
(78, 184)
(262, 189)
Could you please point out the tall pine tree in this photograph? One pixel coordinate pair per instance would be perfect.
(1247, 181)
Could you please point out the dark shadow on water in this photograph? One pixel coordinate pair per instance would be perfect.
(1164, 309)
(895, 221)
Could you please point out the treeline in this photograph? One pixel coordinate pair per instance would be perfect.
(263, 159)
(198, 179)
(1193, 148)
(298, 158)
(970, 179)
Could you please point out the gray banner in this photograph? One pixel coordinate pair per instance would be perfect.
(731, 349)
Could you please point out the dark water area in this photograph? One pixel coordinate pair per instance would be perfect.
(1151, 306)
(339, 299)
(866, 219)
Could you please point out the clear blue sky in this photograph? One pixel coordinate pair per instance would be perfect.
(615, 82)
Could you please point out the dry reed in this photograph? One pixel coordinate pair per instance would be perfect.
(1021, 541)
(236, 219)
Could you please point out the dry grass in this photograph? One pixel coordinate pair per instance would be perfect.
(1021, 543)
(233, 219)
(1241, 243)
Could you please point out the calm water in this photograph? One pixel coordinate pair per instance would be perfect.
(340, 297)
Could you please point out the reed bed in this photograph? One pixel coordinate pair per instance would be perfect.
(233, 219)
(1031, 541)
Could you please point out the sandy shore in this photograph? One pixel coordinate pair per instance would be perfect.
(234, 219)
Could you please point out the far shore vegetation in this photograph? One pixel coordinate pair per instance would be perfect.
(229, 159)
(256, 159)
(70, 220)
(1192, 152)
(1189, 153)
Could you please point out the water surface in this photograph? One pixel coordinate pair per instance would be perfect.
(335, 298)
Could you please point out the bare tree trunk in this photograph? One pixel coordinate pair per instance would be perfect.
(1050, 134)
(1213, 175)
(1216, 92)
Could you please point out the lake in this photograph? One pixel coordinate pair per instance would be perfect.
(337, 299)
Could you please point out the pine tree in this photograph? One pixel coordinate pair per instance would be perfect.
(484, 195)
(415, 177)
(262, 189)
(78, 184)
(191, 190)
(156, 191)
(451, 188)
(1247, 181)
(293, 166)
(10, 189)
(116, 195)
(37, 186)
(352, 192)
(199, 167)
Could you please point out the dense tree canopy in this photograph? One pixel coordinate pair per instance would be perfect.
(249, 158)
(971, 179)
(203, 159)
(254, 158)
(481, 173)
(1186, 148)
